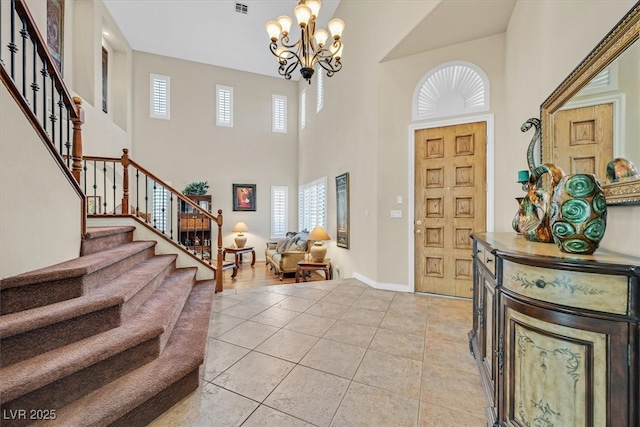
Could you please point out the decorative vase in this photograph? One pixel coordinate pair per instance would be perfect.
(578, 214)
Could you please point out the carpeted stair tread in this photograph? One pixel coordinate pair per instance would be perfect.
(117, 292)
(102, 238)
(183, 354)
(95, 232)
(76, 267)
(153, 319)
(28, 333)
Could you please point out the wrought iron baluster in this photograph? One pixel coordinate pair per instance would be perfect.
(171, 215)
(95, 177)
(104, 185)
(25, 35)
(68, 141)
(138, 193)
(52, 117)
(44, 74)
(34, 81)
(146, 193)
(13, 47)
(179, 217)
(125, 209)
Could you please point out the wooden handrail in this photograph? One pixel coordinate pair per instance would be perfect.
(126, 162)
(43, 52)
(73, 109)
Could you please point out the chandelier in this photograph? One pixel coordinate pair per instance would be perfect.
(311, 48)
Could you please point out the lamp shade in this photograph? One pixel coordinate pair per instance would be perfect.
(319, 233)
(240, 227)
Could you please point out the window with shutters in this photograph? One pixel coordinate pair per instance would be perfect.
(303, 108)
(312, 204)
(159, 207)
(159, 92)
(320, 89)
(224, 106)
(279, 217)
(279, 117)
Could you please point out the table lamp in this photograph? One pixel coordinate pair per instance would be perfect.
(318, 250)
(240, 239)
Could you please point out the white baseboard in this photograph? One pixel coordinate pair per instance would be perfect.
(397, 287)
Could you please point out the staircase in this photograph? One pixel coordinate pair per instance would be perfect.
(114, 337)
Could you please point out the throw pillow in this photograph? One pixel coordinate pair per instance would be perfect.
(282, 244)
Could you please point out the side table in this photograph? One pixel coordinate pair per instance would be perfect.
(309, 265)
(237, 252)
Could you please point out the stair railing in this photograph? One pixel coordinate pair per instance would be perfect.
(34, 80)
(120, 186)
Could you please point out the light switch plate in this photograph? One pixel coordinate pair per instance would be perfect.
(396, 214)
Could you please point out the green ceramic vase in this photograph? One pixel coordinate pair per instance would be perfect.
(578, 214)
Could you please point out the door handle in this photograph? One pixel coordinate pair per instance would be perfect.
(418, 231)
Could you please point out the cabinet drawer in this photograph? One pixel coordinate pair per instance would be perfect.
(490, 262)
(599, 292)
(486, 258)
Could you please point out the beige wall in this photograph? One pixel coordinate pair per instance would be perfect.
(190, 147)
(344, 136)
(364, 127)
(557, 31)
(39, 221)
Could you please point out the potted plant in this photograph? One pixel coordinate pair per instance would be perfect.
(198, 188)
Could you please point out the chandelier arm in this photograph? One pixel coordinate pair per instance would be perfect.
(330, 67)
(286, 69)
(284, 41)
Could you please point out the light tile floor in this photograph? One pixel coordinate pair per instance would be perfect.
(335, 353)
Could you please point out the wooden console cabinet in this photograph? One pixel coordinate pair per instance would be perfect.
(555, 335)
(194, 229)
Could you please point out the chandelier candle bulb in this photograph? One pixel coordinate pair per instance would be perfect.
(273, 28)
(285, 24)
(336, 26)
(321, 37)
(314, 6)
(303, 14)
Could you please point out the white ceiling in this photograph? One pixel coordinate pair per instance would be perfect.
(212, 32)
(208, 31)
(453, 22)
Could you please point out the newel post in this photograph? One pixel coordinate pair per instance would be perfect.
(219, 258)
(76, 150)
(125, 180)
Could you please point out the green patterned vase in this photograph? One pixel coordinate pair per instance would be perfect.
(578, 214)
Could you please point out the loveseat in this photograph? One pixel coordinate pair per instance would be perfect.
(283, 256)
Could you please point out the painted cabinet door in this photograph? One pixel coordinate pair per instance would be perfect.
(557, 368)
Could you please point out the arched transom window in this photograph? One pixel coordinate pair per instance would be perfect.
(451, 89)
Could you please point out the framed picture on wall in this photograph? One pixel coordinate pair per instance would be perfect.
(244, 197)
(55, 31)
(93, 205)
(342, 209)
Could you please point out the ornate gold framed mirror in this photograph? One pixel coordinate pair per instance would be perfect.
(594, 115)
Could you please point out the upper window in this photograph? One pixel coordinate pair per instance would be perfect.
(451, 89)
(320, 88)
(279, 217)
(303, 108)
(279, 114)
(105, 79)
(160, 92)
(224, 106)
(312, 204)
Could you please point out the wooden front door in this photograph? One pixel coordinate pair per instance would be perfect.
(450, 204)
(583, 139)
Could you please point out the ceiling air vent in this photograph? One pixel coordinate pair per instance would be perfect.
(242, 8)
